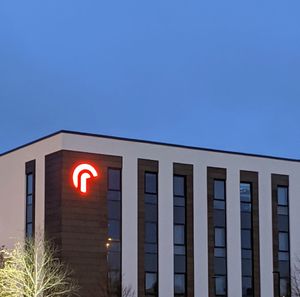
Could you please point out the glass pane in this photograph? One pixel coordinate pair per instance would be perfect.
(284, 268)
(179, 215)
(246, 239)
(284, 287)
(220, 285)
(219, 237)
(151, 283)
(246, 220)
(113, 260)
(151, 198)
(113, 246)
(283, 223)
(219, 218)
(151, 183)
(179, 234)
(179, 250)
(114, 229)
(113, 209)
(150, 248)
(247, 286)
(283, 256)
(179, 265)
(247, 267)
(114, 179)
(219, 189)
(179, 201)
(151, 232)
(220, 266)
(282, 210)
(220, 252)
(282, 193)
(29, 230)
(245, 192)
(114, 195)
(151, 262)
(29, 184)
(218, 204)
(29, 200)
(283, 241)
(114, 278)
(29, 214)
(150, 212)
(179, 283)
(246, 207)
(178, 185)
(246, 254)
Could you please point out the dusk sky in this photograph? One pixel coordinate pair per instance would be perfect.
(216, 74)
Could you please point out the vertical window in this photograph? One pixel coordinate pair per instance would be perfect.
(246, 239)
(219, 212)
(151, 234)
(179, 192)
(114, 203)
(30, 199)
(283, 240)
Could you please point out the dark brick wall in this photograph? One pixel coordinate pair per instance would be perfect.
(78, 223)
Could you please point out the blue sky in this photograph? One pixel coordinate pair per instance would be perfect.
(217, 74)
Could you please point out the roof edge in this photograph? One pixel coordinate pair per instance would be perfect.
(148, 142)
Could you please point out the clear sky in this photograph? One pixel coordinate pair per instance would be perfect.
(217, 74)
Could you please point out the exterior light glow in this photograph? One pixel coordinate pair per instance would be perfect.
(81, 174)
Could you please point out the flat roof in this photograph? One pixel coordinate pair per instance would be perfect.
(147, 142)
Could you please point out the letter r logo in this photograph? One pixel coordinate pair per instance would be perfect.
(81, 174)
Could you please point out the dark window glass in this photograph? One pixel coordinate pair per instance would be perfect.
(29, 199)
(29, 184)
(114, 261)
(246, 254)
(150, 213)
(114, 195)
(219, 204)
(246, 207)
(179, 215)
(283, 223)
(284, 268)
(29, 231)
(247, 267)
(220, 266)
(179, 234)
(282, 193)
(180, 265)
(151, 283)
(179, 284)
(219, 189)
(283, 242)
(150, 183)
(151, 262)
(179, 250)
(246, 239)
(220, 252)
(219, 237)
(283, 256)
(178, 184)
(220, 285)
(151, 198)
(219, 218)
(114, 179)
(246, 220)
(284, 286)
(114, 211)
(29, 214)
(114, 229)
(113, 246)
(283, 210)
(179, 201)
(150, 232)
(150, 248)
(247, 286)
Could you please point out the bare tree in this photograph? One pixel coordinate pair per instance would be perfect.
(295, 279)
(33, 270)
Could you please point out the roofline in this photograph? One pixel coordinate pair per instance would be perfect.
(148, 142)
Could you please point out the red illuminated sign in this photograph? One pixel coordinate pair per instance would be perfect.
(81, 174)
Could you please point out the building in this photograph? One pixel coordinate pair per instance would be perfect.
(168, 220)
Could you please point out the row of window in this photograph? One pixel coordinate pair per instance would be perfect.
(114, 201)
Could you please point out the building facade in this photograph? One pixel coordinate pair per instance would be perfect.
(165, 220)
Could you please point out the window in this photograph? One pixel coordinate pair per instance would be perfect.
(114, 229)
(179, 198)
(30, 199)
(151, 233)
(219, 221)
(246, 238)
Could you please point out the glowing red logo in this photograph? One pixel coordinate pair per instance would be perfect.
(81, 174)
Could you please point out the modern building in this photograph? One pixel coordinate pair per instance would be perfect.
(166, 220)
